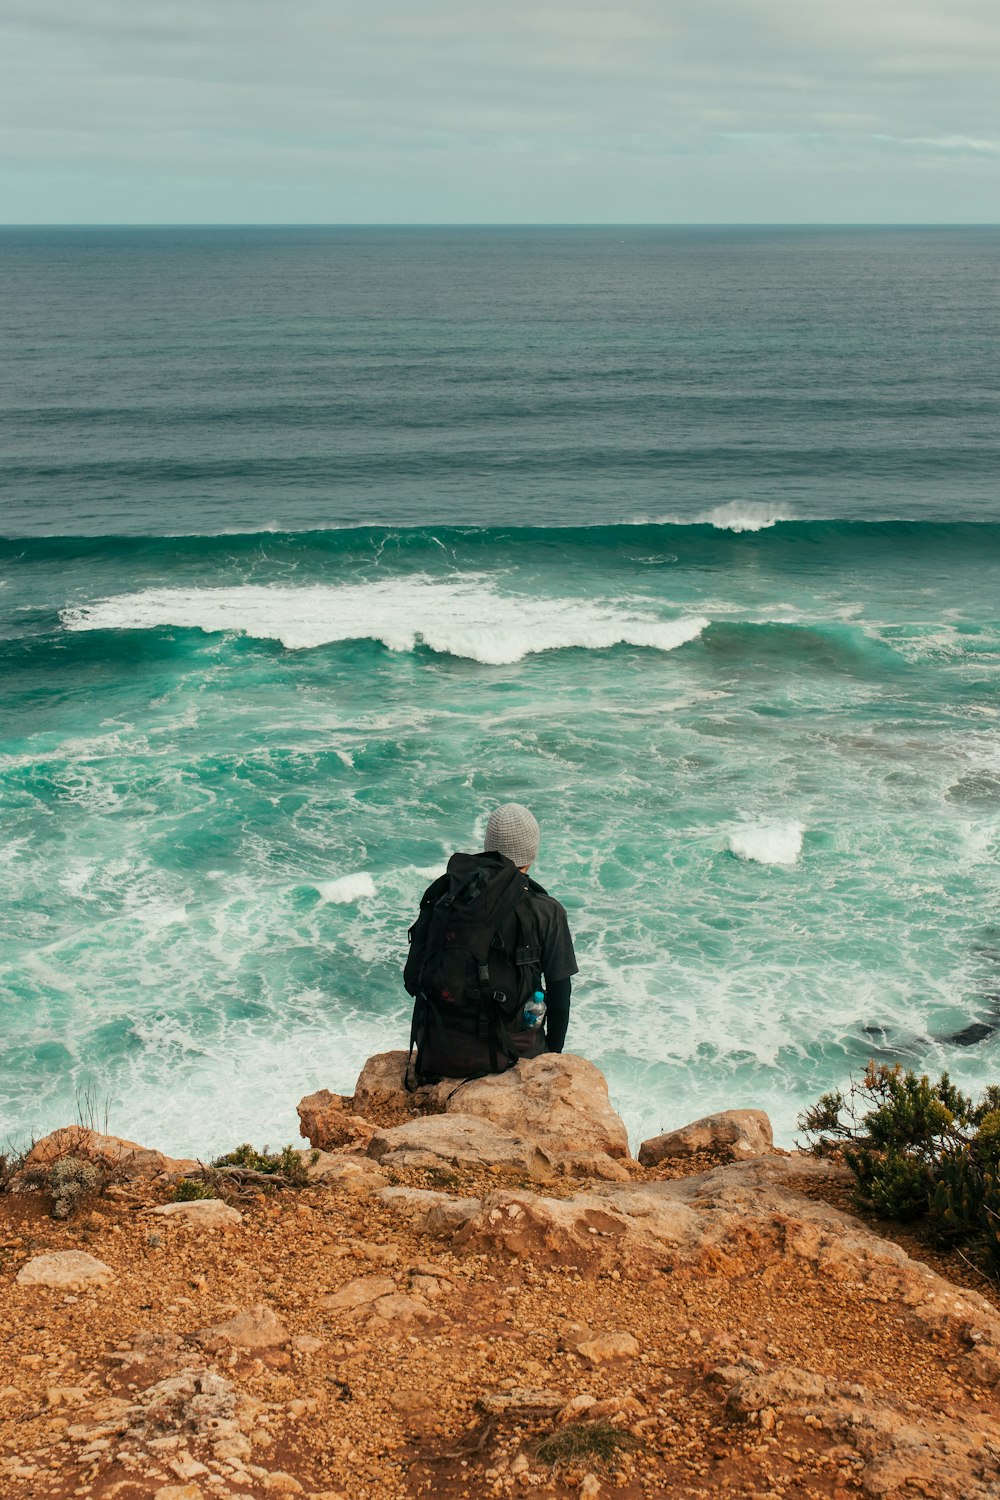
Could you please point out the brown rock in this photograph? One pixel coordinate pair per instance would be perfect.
(589, 1230)
(591, 1164)
(64, 1395)
(380, 1085)
(256, 1328)
(360, 1292)
(458, 1141)
(358, 1174)
(382, 1255)
(575, 1333)
(558, 1100)
(748, 1216)
(435, 1213)
(738, 1133)
(429, 1286)
(327, 1123)
(200, 1213)
(576, 1407)
(605, 1346)
(65, 1270)
(408, 1400)
(398, 1310)
(279, 1483)
(904, 1448)
(111, 1151)
(529, 1401)
(307, 1343)
(321, 1119)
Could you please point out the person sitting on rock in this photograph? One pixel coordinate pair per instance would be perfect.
(491, 959)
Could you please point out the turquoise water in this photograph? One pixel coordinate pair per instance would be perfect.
(699, 558)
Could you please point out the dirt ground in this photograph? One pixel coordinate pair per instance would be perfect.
(348, 1407)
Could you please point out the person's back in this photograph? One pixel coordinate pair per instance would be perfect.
(486, 941)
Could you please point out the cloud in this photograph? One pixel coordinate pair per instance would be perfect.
(188, 88)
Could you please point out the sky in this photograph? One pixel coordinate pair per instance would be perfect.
(499, 111)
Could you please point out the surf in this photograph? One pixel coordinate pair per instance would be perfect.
(468, 617)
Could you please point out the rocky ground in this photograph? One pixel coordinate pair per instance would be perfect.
(483, 1300)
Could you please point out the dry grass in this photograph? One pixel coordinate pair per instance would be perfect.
(592, 1443)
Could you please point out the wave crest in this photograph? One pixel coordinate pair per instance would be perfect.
(767, 843)
(743, 515)
(466, 618)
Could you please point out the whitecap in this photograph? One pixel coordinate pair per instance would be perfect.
(743, 515)
(467, 617)
(767, 843)
(735, 515)
(359, 887)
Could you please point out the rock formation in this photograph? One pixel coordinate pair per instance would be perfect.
(734, 1133)
(481, 1293)
(117, 1155)
(557, 1102)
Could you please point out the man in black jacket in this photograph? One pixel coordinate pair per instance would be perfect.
(487, 937)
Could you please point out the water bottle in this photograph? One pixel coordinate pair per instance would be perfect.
(534, 1011)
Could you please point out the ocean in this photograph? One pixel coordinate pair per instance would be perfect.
(316, 544)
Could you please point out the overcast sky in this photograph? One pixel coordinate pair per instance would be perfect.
(391, 111)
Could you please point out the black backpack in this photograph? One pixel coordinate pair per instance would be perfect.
(469, 988)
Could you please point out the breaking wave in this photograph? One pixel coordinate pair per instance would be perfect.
(767, 843)
(466, 618)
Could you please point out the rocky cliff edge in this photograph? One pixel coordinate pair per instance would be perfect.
(481, 1292)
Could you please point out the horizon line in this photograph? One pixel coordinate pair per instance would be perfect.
(503, 224)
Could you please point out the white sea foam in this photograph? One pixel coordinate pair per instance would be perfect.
(467, 617)
(735, 515)
(743, 515)
(348, 888)
(13, 850)
(767, 843)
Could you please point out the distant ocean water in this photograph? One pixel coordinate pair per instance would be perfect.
(316, 544)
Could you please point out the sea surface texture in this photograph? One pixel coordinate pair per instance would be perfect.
(317, 544)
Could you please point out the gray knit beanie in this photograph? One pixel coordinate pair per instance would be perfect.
(513, 831)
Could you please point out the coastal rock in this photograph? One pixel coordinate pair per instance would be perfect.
(748, 1217)
(558, 1100)
(523, 1401)
(576, 1407)
(458, 1141)
(437, 1214)
(604, 1346)
(410, 1400)
(109, 1151)
(381, 1086)
(65, 1270)
(904, 1448)
(360, 1292)
(397, 1311)
(591, 1164)
(200, 1213)
(737, 1133)
(257, 1327)
(327, 1123)
(358, 1174)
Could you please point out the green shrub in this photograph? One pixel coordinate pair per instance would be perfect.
(71, 1179)
(919, 1150)
(189, 1191)
(286, 1164)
